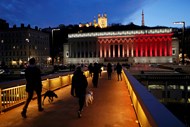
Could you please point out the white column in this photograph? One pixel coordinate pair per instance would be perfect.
(105, 50)
(113, 50)
(80, 54)
(127, 49)
(123, 46)
(88, 50)
(132, 46)
(118, 50)
(100, 50)
(109, 48)
(97, 49)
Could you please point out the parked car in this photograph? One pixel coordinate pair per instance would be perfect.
(22, 72)
(2, 71)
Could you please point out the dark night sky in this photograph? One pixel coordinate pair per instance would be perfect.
(45, 13)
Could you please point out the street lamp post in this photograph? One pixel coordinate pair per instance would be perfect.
(183, 37)
(27, 40)
(53, 45)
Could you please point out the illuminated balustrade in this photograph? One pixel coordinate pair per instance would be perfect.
(150, 112)
(13, 96)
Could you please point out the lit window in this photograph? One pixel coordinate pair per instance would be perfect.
(67, 54)
(173, 51)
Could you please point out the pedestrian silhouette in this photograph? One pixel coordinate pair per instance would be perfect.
(109, 70)
(78, 88)
(95, 77)
(119, 69)
(33, 83)
(100, 69)
(90, 68)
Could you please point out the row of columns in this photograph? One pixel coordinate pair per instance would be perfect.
(109, 48)
(153, 49)
(81, 50)
(122, 46)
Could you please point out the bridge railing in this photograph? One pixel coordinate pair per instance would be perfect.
(14, 96)
(150, 112)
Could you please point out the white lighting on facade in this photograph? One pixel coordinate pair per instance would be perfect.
(120, 33)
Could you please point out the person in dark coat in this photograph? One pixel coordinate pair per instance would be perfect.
(33, 83)
(109, 70)
(78, 88)
(90, 68)
(100, 69)
(119, 69)
(95, 77)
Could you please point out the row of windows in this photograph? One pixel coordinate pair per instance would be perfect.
(10, 47)
(12, 34)
(18, 42)
(19, 53)
(22, 34)
(21, 47)
(22, 53)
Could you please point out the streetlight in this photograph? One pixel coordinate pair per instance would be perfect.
(27, 40)
(183, 36)
(52, 44)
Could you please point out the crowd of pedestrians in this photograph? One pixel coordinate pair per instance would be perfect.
(78, 87)
(80, 84)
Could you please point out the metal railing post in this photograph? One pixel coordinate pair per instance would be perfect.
(49, 84)
(61, 83)
(0, 101)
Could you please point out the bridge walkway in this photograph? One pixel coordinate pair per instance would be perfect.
(111, 108)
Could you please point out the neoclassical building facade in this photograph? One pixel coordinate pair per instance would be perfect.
(130, 46)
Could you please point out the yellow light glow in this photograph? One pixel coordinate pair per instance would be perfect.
(14, 63)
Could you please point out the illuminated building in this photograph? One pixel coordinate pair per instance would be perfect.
(102, 22)
(131, 46)
(18, 44)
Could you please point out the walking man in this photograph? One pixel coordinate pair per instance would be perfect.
(33, 83)
(109, 70)
(119, 69)
(78, 88)
(96, 71)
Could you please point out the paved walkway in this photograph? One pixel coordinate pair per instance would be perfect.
(111, 108)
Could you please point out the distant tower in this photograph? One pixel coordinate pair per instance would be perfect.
(95, 23)
(102, 21)
(142, 18)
